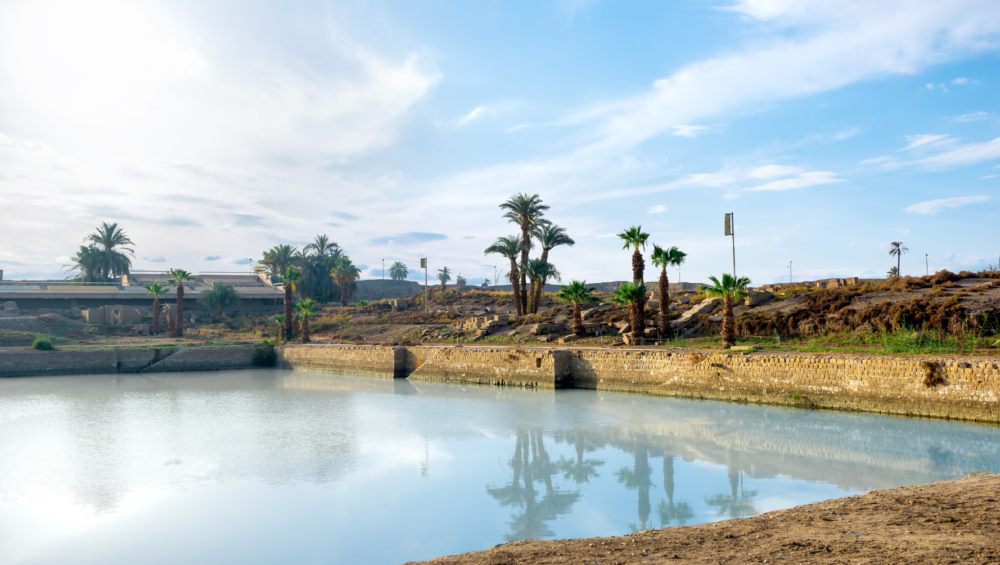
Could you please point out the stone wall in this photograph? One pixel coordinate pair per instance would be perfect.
(378, 289)
(35, 363)
(500, 366)
(354, 359)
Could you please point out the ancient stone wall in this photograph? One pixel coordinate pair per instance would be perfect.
(35, 363)
(354, 359)
(378, 289)
(500, 366)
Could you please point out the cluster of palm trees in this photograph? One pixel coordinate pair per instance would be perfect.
(105, 257)
(313, 263)
(528, 212)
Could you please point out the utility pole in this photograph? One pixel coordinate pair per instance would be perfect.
(383, 269)
(789, 272)
(731, 231)
(927, 264)
(423, 265)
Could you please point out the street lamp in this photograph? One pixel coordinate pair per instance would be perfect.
(789, 272)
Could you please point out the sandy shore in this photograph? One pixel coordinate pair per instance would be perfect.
(956, 521)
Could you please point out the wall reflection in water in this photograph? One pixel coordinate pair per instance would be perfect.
(463, 468)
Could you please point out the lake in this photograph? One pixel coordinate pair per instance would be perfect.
(274, 466)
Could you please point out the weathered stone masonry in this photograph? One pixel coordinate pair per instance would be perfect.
(969, 388)
(35, 363)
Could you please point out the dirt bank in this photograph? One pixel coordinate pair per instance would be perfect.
(945, 522)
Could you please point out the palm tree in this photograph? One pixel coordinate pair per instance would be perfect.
(345, 274)
(525, 211)
(281, 323)
(537, 271)
(635, 238)
(179, 277)
(444, 275)
(896, 249)
(664, 258)
(577, 293)
(509, 247)
(157, 291)
(460, 280)
(219, 297)
(632, 295)
(549, 236)
(111, 242)
(398, 271)
(892, 272)
(322, 246)
(289, 277)
(729, 289)
(277, 259)
(89, 264)
(306, 308)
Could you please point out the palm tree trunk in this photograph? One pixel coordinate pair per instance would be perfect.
(171, 325)
(343, 295)
(514, 286)
(539, 291)
(728, 324)
(179, 321)
(899, 263)
(156, 315)
(295, 325)
(664, 319)
(288, 311)
(639, 310)
(577, 319)
(305, 329)
(525, 246)
(220, 311)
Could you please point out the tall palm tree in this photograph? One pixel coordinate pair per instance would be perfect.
(88, 262)
(306, 309)
(322, 246)
(444, 275)
(537, 271)
(398, 271)
(509, 247)
(112, 242)
(179, 277)
(577, 293)
(664, 258)
(157, 291)
(892, 272)
(525, 211)
(289, 277)
(345, 274)
(896, 249)
(730, 288)
(636, 239)
(549, 236)
(277, 260)
(632, 296)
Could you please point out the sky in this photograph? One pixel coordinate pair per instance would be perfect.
(211, 131)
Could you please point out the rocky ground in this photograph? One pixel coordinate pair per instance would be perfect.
(954, 521)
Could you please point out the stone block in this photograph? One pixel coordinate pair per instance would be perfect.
(684, 300)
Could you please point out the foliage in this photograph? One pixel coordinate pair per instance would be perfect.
(345, 274)
(538, 270)
(629, 294)
(179, 276)
(89, 264)
(664, 258)
(398, 271)
(276, 260)
(550, 235)
(634, 237)
(363, 303)
(219, 297)
(524, 210)
(444, 275)
(576, 292)
(156, 289)
(112, 245)
(460, 280)
(316, 261)
(728, 288)
(42, 344)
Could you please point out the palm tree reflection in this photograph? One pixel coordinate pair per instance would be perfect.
(738, 503)
(637, 478)
(581, 470)
(668, 510)
(531, 464)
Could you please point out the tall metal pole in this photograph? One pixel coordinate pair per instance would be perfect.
(927, 264)
(733, 231)
(383, 269)
(789, 272)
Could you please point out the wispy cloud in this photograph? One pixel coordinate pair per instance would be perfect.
(213, 257)
(476, 114)
(927, 140)
(801, 180)
(410, 238)
(935, 206)
(973, 117)
(771, 171)
(689, 131)
(657, 209)
(243, 261)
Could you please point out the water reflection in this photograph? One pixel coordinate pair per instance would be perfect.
(339, 454)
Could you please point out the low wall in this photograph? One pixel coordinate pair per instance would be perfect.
(499, 366)
(36, 363)
(354, 359)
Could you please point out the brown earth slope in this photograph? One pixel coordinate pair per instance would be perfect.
(954, 521)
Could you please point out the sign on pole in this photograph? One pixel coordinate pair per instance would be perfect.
(423, 265)
(729, 224)
(731, 231)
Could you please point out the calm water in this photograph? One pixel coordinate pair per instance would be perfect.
(297, 467)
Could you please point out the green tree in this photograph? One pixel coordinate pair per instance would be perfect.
(892, 272)
(460, 281)
(112, 243)
(538, 271)
(88, 262)
(444, 275)
(509, 247)
(289, 277)
(577, 293)
(729, 289)
(306, 309)
(398, 271)
(896, 249)
(276, 260)
(632, 296)
(549, 236)
(219, 297)
(525, 211)
(281, 324)
(635, 238)
(157, 291)
(179, 277)
(664, 258)
(345, 274)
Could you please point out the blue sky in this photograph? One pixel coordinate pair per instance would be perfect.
(212, 131)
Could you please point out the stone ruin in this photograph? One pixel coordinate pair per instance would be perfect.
(112, 315)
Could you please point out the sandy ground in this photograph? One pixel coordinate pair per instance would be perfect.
(956, 521)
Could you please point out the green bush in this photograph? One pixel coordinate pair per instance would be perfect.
(42, 344)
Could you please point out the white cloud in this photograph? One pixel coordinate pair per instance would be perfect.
(477, 113)
(657, 209)
(935, 206)
(960, 80)
(967, 154)
(927, 140)
(875, 161)
(973, 117)
(771, 171)
(689, 131)
(988, 177)
(929, 86)
(802, 180)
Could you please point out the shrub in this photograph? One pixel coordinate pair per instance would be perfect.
(42, 344)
